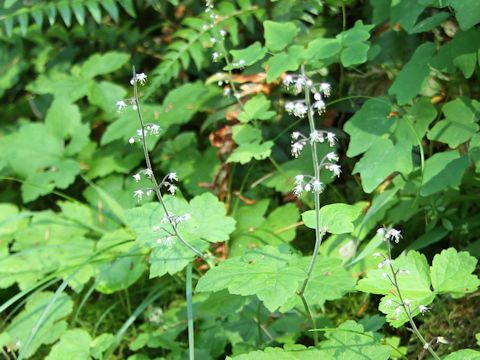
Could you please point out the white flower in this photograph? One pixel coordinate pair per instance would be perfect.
(297, 190)
(423, 309)
(377, 255)
(317, 186)
(300, 109)
(308, 187)
(326, 89)
(320, 106)
(138, 194)
(385, 275)
(426, 346)
(149, 192)
(407, 302)
(215, 56)
(213, 40)
(172, 189)
(289, 106)
(223, 33)
(389, 302)
(121, 105)
(398, 311)
(442, 340)
(299, 179)
(332, 156)
(226, 91)
(131, 140)
(317, 96)
(136, 177)
(295, 135)
(141, 78)
(297, 149)
(394, 234)
(148, 173)
(172, 176)
(168, 241)
(317, 136)
(154, 129)
(288, 80)
(336, 169)
(141, 132)
(241, 63)
(331, 138)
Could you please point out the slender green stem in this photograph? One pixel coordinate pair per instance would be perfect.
(426, 345)
(259, 324)
(310, 317)
(188, 290)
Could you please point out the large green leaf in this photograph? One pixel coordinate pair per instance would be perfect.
(350, 341)
(49, 330)
(354, 44)
(247, 56)
(279, 35)
(368, 124)
(257, 108)
(381, 160)
(207, 223)
(284, 61)
(460, 123)
(297, 352)
(451, 273)
(460, 52)
(73, 345)
(100, 64)
(272, 274)
(414, 75)
(442, 171)
(250, 143)
(336, 218)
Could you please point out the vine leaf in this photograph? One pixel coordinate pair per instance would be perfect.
(350, 341)
(442, 171)
(272, 274)
(50, 330)
(450, 273)
(279, 35)
(257, 108)
(207, 223)
(337, 218)
(250, 145)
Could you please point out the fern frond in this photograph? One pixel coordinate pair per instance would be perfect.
(193, 38)
(17, 12)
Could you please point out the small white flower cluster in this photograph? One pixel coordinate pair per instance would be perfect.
(175, 219)
(296, 83)
(390, 234)
(240, 63)
(139, 78)
(150, 129)
(168, 182)
(307, 183)
(140, 193)
(299, 141)
(167, 241)
(297, 108)
(147, 173)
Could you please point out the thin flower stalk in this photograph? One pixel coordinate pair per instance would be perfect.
(156, 187)
(394, 235)
(308, 183)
